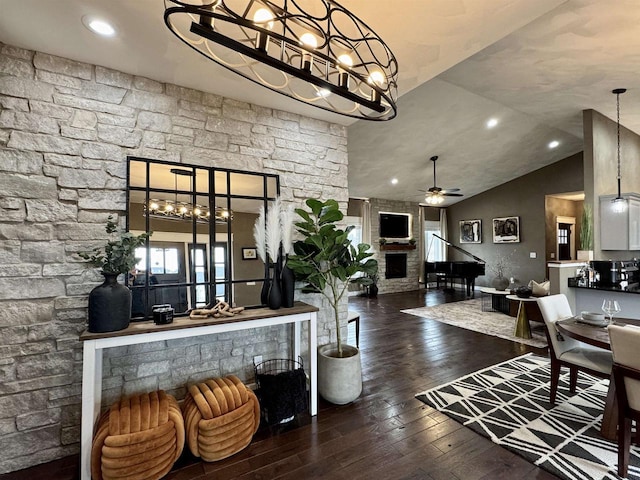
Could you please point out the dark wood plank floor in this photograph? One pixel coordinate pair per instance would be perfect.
(386, 433)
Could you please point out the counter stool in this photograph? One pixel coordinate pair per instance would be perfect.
(138, 438)
(221, 415)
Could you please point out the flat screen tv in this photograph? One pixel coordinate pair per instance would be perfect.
(394, 225)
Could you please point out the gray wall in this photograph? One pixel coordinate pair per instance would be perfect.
(66, 129)
(600, 138)
(523, 197)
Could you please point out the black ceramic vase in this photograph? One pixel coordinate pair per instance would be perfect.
(264, 293)
(109, 305)
(500, 283)
(274, 302)
(288, 285)
(373, 290)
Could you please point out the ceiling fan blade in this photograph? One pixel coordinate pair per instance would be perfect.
(444, 190)
(453, 194)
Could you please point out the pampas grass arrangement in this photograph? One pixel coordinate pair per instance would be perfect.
(271, 230)
(286, 223)
(259, 235)
(273, 233)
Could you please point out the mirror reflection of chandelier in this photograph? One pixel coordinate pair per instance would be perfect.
(180, 210)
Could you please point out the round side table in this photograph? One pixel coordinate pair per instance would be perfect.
(523, 329)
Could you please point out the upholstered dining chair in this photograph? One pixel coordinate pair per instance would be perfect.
(568, 352)
(625, 342)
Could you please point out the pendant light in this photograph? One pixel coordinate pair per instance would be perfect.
(619, 204)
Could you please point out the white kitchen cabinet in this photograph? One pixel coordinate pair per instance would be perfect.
(620, 231)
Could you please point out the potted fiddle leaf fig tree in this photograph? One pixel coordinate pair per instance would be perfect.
(110, 303)
(326, 261)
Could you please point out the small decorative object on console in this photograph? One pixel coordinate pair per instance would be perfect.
(220, 309)
(162, 314)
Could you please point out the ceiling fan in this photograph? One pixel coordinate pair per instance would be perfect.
(435, 195)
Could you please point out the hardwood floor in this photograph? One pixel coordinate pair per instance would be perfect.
(386, 433)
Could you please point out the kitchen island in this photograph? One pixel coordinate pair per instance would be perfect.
(589, 298)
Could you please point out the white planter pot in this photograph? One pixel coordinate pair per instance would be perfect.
(339, 379)
(585, 255)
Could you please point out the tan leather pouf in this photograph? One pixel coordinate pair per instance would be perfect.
(138, 438)
(221, 415)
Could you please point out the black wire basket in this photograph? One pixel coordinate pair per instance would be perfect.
(282, 389)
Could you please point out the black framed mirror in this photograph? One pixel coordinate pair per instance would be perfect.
(202, 247)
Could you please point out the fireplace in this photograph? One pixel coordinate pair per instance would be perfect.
(396, 265)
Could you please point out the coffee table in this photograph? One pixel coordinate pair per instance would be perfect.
(498, 300)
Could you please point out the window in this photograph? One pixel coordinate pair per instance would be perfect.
(198, 272)
(563, 236)
(164, 261)
(220, 270)
(355, 235)
(434, 250)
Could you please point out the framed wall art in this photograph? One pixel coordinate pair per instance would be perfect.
(470, 231)
(506, 230)
(249, 254)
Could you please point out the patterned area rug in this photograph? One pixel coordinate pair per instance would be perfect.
(468, 314)
(509, 404)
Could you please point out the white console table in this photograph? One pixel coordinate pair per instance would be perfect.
(146, 332)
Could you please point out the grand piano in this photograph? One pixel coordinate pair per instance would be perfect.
(465, 270)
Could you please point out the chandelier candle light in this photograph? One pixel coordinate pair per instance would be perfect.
(619, 203)
(316, 52)
(179, 210)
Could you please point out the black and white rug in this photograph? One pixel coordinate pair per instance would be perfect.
(509, 404)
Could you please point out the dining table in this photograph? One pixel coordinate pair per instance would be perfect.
(598, 336)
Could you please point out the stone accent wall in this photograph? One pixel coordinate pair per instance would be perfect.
(66, 129)
(394, 285)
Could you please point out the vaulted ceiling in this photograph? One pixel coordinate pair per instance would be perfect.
(533, 66)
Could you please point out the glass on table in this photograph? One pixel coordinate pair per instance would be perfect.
(611, 307)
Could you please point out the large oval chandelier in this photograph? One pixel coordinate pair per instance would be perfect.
(314, 51)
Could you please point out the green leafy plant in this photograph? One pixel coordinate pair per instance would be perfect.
(586, 228)
(117, 256)
(326, 259)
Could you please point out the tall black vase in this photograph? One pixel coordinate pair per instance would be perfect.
(109, 305)
(264, 293)
(274, 301)
(288, 284)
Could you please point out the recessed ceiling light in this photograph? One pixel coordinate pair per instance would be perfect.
(492, 122)
(394, 181)
(98, 26)
(554, 144)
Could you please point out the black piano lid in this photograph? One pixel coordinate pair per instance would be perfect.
(477, 259)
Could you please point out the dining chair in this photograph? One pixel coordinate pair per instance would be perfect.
(625, 341)
(568, 352)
